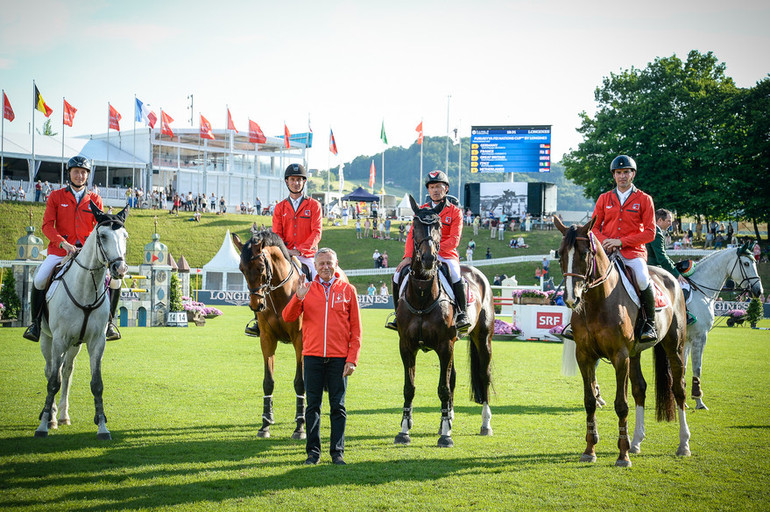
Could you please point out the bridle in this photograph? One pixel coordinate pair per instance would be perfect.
(744, 279)
(264, 290)
(429, 239)
(429, 225)
(591, 268)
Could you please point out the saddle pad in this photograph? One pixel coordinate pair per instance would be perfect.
(661, 299)
(445, 285)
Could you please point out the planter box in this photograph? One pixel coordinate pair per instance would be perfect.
(505, 337)
(534, 300)
(177, 319)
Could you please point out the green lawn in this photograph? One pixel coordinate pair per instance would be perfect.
(184, 407)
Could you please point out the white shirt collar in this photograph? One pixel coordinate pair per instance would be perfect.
(296, 202)
(623, 195)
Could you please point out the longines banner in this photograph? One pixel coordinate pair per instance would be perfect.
(226, 298)
(722, 307)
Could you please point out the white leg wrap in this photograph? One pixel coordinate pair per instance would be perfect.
(43, 423)
(684, 435)
(486, 416)
(638, 430)
(405, 426)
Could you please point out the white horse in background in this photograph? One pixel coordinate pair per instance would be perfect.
(707, 279)
(78, 310)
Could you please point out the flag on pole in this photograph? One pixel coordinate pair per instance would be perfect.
(40, 104)
(152, 119)
(69, 113)
(371, 175)
(286, 136)
(7, 110)
(206, 132)
(230, 124)
(143, 114)
(419, 133)
(382, 133)
(332, 143)
(256, 134)
(114, 118)
(165, 120)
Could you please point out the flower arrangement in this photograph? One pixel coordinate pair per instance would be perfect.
(736, 313)
(198, 307)
(2, 308)
(502, 327)
(556, 329)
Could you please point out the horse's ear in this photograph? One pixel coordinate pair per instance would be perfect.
(412, 202)
(98, 214)
(559, 224)
(590, 225)
(122, 214)
(237, 241)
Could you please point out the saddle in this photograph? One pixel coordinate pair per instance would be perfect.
(632, 288)
(302, 268)
(445, 282)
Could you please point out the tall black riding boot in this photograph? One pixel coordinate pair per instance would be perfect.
(37, 299)
(112, 329)
(647, 297)
(395, 289)
(461, 319)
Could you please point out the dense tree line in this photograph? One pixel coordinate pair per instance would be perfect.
(701, 144)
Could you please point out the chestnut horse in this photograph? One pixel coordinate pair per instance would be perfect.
(603, 320)
(272, 279)
(425, 319)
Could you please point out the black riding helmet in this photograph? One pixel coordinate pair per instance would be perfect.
(623, 162)
(295, 170)
(80, 162)
(437, 177)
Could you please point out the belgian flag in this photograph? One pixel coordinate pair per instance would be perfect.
(40, 104)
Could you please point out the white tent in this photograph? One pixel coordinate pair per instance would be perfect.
(404, 208)
(222, 273)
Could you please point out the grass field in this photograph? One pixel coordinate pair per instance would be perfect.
(184, 407)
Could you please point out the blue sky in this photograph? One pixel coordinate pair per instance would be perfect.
(350, 64)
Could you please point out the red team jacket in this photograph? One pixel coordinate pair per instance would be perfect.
(633, 222)
(331, 326)
(300, 230)
(65, 219)
(451, 231)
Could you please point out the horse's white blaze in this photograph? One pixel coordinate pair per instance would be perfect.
(486, 416)
(570, 259)
(638, 429)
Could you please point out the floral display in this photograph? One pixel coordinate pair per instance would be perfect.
(190, 305)
(556, 329)
(502, 327)
(736, 313)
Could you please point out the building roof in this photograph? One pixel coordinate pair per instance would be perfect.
(49, 149)
(226, 260)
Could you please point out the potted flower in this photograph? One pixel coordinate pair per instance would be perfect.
(735, 316)
(532, 296)
(505, 331)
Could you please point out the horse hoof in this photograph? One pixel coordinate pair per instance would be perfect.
(600, 401)
(486, 432)
(683, 452)
(263, 433)
(402, 438)
(297, 435)
(701, 406)
(65, 422)
(620, 463)
(588, 457)
(104, 436)
(445, 442)
(635, 449)
(41, 433)
(53, 425)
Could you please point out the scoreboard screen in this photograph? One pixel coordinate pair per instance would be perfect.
(510, 149)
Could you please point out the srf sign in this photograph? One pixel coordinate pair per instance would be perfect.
(548, 320)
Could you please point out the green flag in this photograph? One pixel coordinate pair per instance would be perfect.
(382, 133)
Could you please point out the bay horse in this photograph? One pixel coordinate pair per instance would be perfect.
(77, 313)
(272, 278)
(603, 320)
(425, 319)
(707, 279)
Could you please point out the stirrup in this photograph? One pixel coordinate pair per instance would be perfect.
(32, 333)
(112, 333)
(461, 322)
(391, 324)
(252, 328)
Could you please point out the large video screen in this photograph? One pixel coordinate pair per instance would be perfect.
(510, 149)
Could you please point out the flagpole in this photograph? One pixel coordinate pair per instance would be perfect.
(107, 173)
(448, 98)
(459, 166)
(2, 144)
(133, 160)
(419, 185)
(33, 128)
(329, 168)
(63, 113)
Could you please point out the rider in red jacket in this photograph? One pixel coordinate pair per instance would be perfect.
(67, 222)
(625, 222)
(451, 231)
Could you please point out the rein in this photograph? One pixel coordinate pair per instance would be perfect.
(714, 291)
(266, 288)
(591, 268)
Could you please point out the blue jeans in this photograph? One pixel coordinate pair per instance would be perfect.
(325, 373)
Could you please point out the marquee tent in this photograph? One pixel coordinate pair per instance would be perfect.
(360, 194)
(222, 273)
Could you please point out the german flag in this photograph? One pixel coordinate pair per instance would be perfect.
(40, 104)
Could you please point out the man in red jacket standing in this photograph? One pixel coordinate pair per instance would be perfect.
(625, 222)
(331, 342)
(67, 222)
(451, 232)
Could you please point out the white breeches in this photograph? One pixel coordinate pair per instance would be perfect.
(452, 264)
(310, 264)
(45, 269)
(639, 267)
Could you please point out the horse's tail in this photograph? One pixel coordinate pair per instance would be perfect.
(480, 375)
(664, 386)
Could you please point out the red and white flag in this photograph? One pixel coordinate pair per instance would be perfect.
(419, 133)
(7, 110)
(255, 133)
(286, 136)
(165, 120)
(332, 143)
(152, 119)
(371, 175)
(114, 118)
(230, 124)
(69, 113)
(206, 131)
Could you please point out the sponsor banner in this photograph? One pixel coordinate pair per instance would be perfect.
(231, 298)
(721, 307)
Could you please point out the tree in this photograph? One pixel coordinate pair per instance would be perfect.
(47, 129)
(754, 313)
(174, 294)
(670, 117)
(8, 295)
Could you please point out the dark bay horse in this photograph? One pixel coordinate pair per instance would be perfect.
(603, 320)
(272, 279)
(425, 319)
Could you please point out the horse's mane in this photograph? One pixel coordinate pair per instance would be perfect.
(570, 237)
(268, 239)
